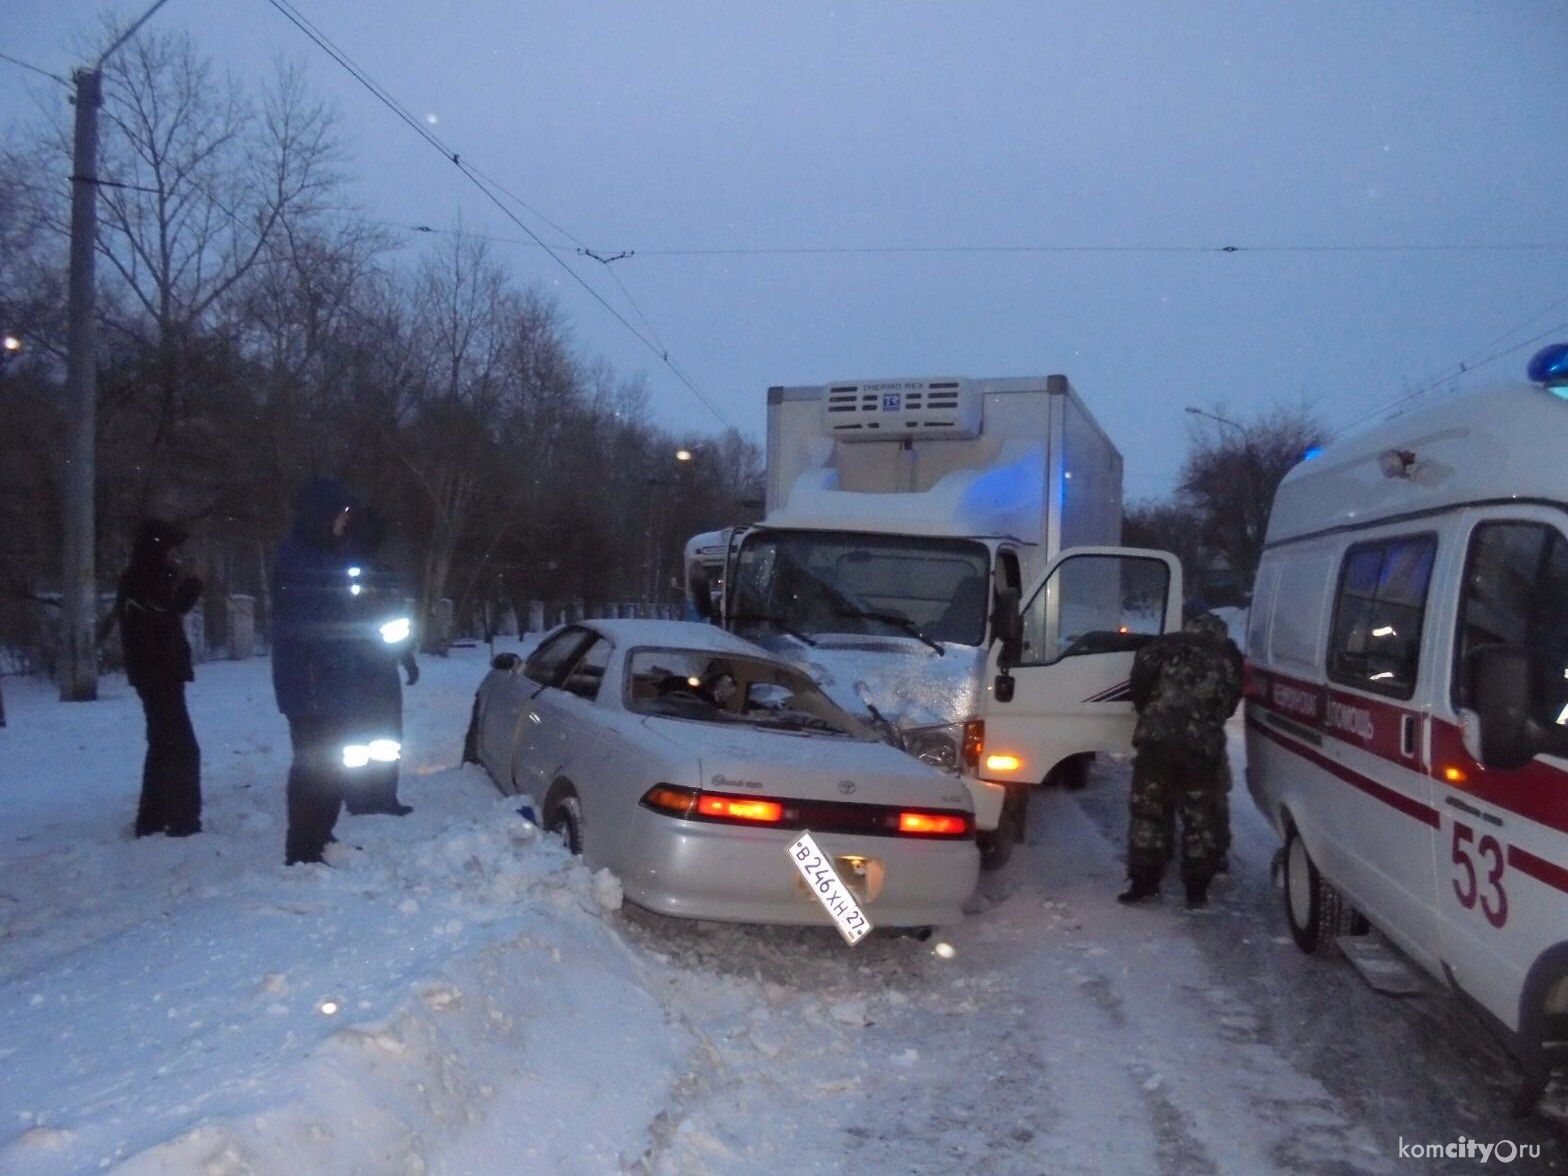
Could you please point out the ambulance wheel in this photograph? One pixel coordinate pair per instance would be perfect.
(1315, 909)
(471, 738)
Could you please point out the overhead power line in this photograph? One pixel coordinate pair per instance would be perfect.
(1463, 367)
(34, 68)
(488, 189)
(875, 250)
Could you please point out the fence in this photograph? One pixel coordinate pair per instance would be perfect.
(237, 627)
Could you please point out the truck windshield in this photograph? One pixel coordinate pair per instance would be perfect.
(820, 582)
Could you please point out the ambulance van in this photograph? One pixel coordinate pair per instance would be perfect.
(1407, 698)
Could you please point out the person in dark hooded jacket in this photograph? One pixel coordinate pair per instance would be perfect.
(150, 607)
(317, 634)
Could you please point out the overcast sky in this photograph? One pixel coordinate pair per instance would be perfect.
(817, 191)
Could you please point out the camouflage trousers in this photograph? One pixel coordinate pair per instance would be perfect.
(1170, 783)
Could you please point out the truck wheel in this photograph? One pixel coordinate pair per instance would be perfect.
(1072, 773)
(1314, 907)
(996, 845)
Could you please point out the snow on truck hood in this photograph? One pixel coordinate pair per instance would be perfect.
(743, 758)
(908, 682)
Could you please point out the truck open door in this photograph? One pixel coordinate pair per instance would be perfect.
(1056, 683)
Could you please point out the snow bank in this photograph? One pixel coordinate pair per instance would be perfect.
(449, 994)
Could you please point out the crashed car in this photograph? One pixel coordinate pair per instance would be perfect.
(688, 761)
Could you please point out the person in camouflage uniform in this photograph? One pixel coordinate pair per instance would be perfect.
(1184, 686)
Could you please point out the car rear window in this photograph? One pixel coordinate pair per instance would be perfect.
(706, 686)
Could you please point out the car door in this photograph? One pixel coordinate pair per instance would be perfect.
(1500, 859)
(505, 728)
(1081, 624)
(559, 733)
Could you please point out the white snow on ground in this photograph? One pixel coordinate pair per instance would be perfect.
(458, 996)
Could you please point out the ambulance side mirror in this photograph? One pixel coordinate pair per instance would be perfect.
(1500, 730)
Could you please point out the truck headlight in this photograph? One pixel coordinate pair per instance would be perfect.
(952, 747)
(938, 746)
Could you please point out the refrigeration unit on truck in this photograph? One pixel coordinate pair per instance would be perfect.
(942, 555)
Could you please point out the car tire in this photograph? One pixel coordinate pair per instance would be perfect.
(1315, 909)
(565, 817)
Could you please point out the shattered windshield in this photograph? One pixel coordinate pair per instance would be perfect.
(932, 589)
(712, 687)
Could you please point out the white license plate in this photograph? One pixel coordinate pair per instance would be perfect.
(824, 883)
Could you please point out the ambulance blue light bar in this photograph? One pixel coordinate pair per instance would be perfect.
(1549, 366)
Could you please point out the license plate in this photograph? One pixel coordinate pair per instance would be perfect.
(829, 889)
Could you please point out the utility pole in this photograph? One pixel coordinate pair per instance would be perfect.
(78, 585)
(79, 579)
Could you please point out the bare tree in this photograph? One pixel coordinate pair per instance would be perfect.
(196, 182)
(1231, 473)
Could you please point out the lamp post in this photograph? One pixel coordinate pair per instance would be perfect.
(79, 580)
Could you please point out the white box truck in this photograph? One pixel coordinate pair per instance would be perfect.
(941, 554)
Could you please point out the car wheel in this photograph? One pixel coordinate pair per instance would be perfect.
(1314, 907)
(565, 817)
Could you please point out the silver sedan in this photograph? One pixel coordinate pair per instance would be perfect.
(687, 761)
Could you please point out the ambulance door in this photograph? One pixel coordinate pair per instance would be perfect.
(1382, 665)
(1067, 692)
(1502, 850)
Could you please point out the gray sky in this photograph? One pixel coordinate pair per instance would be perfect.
(1103, 150)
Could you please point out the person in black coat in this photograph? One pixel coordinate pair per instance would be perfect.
(317, 642)
(389, 643)
(150, 607)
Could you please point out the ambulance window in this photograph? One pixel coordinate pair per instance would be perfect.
(1516, 593)
(1378, 611)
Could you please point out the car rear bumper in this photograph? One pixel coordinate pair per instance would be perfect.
(732, 873)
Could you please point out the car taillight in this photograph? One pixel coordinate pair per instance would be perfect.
(974, 743)
(933, 824)
(687, 803)
(665, 798)
(740, 808)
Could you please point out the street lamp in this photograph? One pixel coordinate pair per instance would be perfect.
(79, 580)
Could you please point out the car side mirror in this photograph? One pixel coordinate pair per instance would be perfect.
(507, 663)
(1499, 729)
(1007, 626)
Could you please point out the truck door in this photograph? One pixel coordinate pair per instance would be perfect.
(1082, 623)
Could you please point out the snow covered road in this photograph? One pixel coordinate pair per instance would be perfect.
(459, 997)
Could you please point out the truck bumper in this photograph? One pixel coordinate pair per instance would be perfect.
(987, 798)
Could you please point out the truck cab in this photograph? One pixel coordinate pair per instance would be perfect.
(912, 523)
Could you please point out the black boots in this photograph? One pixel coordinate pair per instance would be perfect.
(1141, 884)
